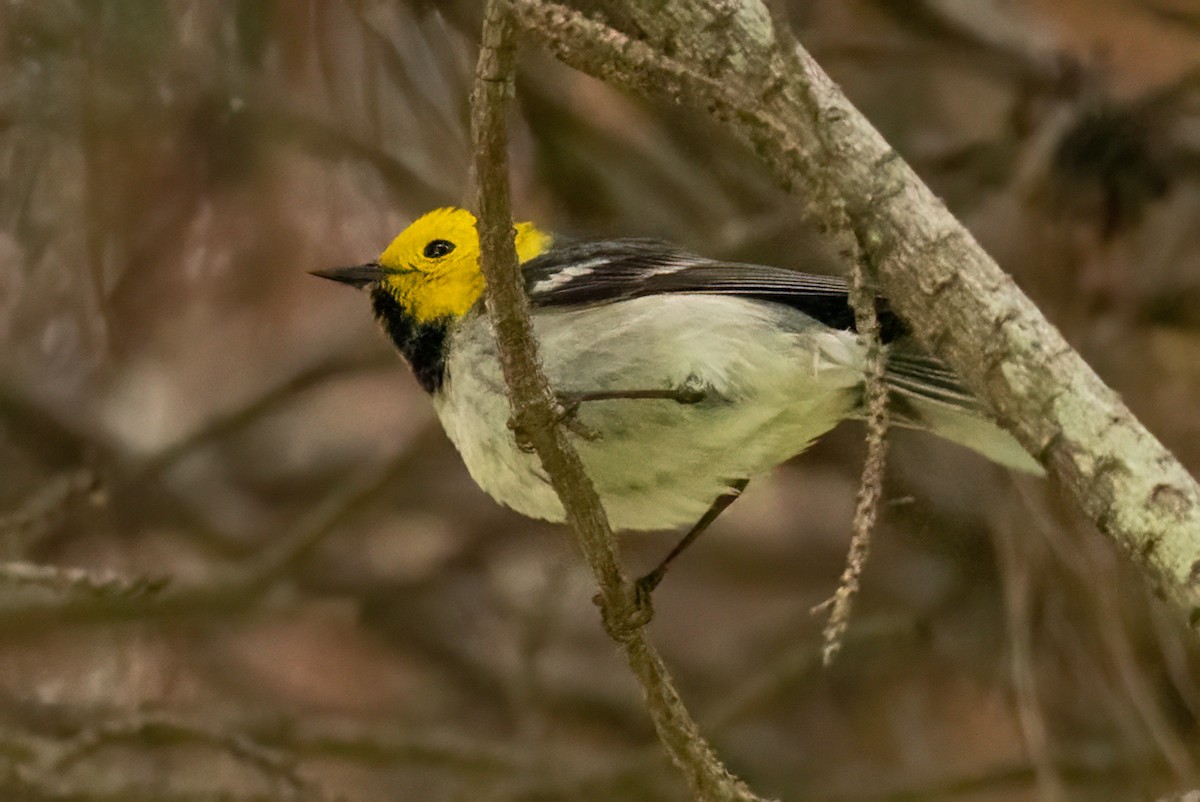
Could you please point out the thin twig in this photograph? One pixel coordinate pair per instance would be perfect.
(534, 414)
(870, 489)
(534, 419)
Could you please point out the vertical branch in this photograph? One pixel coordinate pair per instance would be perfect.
(870, 489)
(535, 419)
(534, 412)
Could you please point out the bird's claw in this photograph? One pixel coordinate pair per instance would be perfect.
(568, 416)
(643, 591)
(624, 623)
(564, 415)
(521, 436)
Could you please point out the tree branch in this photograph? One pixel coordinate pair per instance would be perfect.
(870, 489)
(535, 418)
(734, 61)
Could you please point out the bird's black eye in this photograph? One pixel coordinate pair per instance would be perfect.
(438, 248)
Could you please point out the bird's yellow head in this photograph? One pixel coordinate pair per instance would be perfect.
(431, 268)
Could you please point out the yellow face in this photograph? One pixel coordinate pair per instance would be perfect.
(432, 267)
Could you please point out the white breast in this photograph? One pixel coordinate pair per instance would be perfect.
(774, 378)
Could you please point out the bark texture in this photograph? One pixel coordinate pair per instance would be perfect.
(732, 59)
(535, 419)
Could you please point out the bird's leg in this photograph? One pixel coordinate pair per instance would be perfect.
(571, 401)
(680, 395)
(644, 587)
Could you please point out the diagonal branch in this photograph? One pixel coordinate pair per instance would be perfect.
(734, 61)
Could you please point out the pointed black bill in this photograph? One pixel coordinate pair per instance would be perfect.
(356, 276)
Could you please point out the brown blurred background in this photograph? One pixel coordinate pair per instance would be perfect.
(349, 617)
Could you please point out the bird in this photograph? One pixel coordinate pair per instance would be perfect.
(684, 377)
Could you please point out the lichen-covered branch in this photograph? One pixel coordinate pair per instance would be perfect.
(535, 418)
(734, 60)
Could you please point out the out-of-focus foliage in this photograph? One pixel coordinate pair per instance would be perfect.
(349, 616)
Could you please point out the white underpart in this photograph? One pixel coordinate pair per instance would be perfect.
(774, 381)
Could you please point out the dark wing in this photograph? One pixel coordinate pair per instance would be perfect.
(593, 273)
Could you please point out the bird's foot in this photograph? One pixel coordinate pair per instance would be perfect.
(624, 622)
(567, 415)
(643, 589)
(520, 434)
(564, 415)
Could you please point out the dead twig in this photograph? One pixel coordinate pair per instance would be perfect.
(870, 489)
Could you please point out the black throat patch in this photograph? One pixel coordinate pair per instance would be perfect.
(422, 344)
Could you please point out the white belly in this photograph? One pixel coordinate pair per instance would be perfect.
(774, 380)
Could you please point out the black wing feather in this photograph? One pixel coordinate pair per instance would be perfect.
(594, 273)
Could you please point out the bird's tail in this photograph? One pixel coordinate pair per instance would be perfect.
(927, 395)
